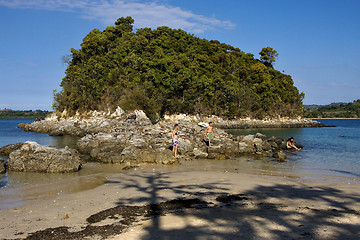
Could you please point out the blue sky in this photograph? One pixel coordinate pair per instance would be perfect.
(317, 41)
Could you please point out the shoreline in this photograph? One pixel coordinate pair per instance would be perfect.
(334, 118)
(286, 195)
(224, 201)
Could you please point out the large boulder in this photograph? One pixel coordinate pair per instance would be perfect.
(33, 157)
(198, 153)
(2, 165)
(104, 147)
(134, 155)
(246, 148)
(280, 155)
(186, 145)
(5, 151)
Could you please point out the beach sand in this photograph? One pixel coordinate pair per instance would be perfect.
(176, 203)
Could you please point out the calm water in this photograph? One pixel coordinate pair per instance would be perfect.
(328, 153)
(10, 134)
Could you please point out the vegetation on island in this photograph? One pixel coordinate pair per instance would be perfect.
(8, 113)
(333, 110)
(168, 70)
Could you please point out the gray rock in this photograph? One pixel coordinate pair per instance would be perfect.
(246, 148)
(260, 135)
(267, 146)
(165, 156)
(186, 145)
(5, 151)
(129, 154)
(33, 157)
(103, 147)
(280, 155)
(199, 153)
(248, 138)
(2, 165)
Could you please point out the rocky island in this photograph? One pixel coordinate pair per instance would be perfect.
(173, 77)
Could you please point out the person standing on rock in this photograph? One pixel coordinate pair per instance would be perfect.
(175, 139)
(209, 132)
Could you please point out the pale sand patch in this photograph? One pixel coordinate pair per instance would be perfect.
(271, 208)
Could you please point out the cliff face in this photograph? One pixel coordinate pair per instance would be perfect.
(165, 71)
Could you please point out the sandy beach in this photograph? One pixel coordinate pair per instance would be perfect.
(178, 203)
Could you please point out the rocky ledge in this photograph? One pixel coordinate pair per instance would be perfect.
(33, 157)
(94, 122)
(270, 123)
(131, 139)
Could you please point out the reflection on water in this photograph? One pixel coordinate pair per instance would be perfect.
(21, 187)
(24, 187)
(63, 141)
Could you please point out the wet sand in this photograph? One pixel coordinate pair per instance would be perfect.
(210, 204)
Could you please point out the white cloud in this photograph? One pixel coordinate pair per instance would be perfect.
(45, 4)
(146, 13)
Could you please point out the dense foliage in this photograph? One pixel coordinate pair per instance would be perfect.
(171, 71)
(334, 110)
(268, 56)
(8, 113)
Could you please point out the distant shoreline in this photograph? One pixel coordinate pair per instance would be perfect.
(334, 118)
(22, 114)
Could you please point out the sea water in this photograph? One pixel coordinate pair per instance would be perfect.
(16, 188)
(331, 151)
(11, 134)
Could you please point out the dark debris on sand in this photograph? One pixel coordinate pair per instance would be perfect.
(127, 215)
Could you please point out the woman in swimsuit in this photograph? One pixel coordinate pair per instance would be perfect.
(175, 139)
(291, 144)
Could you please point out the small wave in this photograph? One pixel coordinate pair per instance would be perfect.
(346, 172)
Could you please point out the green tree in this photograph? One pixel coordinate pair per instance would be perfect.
(168, 70)
(268, 56)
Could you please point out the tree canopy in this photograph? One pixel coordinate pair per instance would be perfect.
(268, 56)
(168, 70)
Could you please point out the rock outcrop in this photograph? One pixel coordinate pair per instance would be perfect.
(270, 123)
(2, 165)
(6, 150)
(280, 155)
(106, 122)
(152, 144)
(33, 157)
(131, 139)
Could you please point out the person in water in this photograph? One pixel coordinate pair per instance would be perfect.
(290, 144)
(175, 139)
(209, 132)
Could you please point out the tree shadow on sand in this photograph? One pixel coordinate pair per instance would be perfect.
(208, 211)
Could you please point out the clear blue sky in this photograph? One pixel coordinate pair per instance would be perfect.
(318, 41)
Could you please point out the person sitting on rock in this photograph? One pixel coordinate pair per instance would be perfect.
(290, 144)
(175, 139)
(209, 132)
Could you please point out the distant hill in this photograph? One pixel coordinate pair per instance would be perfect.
(333, 110)
(171, 71)
(8, 113)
